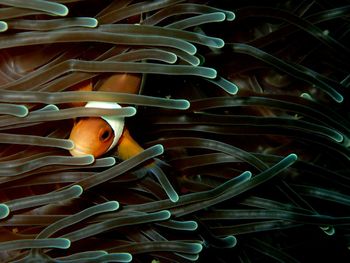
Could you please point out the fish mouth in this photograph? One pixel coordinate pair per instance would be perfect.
(78, 151)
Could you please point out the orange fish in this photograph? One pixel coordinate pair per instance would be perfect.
(98, 135)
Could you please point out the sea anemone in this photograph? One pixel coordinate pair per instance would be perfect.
(241, 113)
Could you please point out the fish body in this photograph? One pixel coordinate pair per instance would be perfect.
(98, 135)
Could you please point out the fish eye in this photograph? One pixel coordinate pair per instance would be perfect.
(105, 135)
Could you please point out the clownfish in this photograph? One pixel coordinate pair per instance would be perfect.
(98, 135)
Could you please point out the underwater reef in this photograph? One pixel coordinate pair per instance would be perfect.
(242, 115)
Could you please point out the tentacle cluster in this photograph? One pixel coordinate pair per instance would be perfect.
(249, 175)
